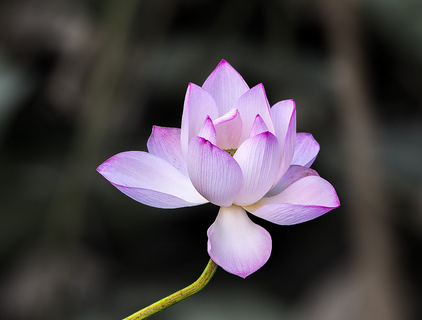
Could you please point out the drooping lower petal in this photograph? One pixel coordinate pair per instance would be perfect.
(229, 129)
(150, 180)
(165, 143)
(237, 244)
(306, 149)
(198, 105)
(226, 85)
(259, 159)
(213, 172)
(284, 118)
(303, 200)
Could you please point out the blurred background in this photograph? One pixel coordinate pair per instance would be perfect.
(83, 80)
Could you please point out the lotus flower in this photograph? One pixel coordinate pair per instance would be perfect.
(236, 152)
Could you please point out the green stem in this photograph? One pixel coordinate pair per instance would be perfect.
(177, 296)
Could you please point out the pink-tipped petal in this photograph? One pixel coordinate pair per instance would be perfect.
(213, 172)
(229, 129)
(165, 143)
(237, 244)
(289, 214)
(259, 159)
(150, 180)
(306, 149)
(293, 174)
(250, 104)
(304, 200)
(226, 85)
(208, 131)
(198, 105)
(258, 126)
(284, 118)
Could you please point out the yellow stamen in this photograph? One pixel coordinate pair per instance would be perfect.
(231, 151)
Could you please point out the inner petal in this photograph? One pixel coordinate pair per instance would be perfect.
(229, 130)
(250, 104)
(259, 159)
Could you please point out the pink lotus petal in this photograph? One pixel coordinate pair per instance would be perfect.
(293, 174)
(258, 126)
(150, 180)
(165, 143)
(306, 149)
(208, 131)
(237, 244)
(213, 172)
(284, 117)
(199, 104)
(229, 129)
(226, 85)
(236, 152)
(288, 214)
(259, 159)
(304, 200)
(250, 104)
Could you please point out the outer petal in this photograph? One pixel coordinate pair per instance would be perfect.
(259, 158)
(150, 180)
(237, 244)
(213, 172)
(165, 143)
(229, 129)
(226, 85)
(306, 149)
(304, 200)
(292, 175)
(198, 105)
(284, 118)
(249, 105)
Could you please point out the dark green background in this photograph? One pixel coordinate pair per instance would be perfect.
(83, 80)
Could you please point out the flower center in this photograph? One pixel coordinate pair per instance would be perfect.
(231, 151)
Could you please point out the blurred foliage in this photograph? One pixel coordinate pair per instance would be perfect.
(96, 254)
